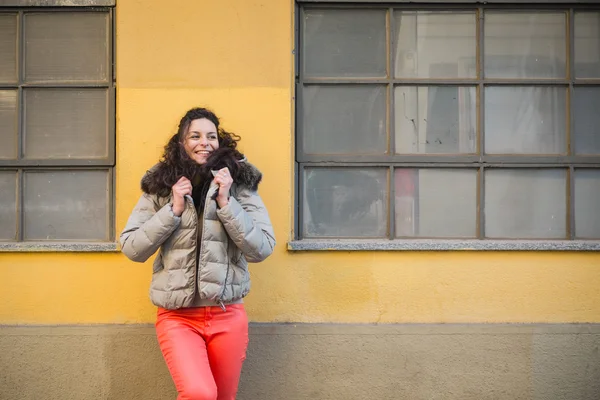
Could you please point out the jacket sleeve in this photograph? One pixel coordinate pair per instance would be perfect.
(147, 229)
(247, 222)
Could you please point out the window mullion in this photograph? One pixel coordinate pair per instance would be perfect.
(391, 129)
(570, 203)
(390, 96)
(300, 198)
(20, 203)
(480, 203)
(392, 203)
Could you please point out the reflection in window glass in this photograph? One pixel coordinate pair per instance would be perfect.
(66, 123)
(345, 43)
(525, 203)
(435, 44)
(67, 205)
(8, 47)
(8, 205)
(435, 119)
(66, 46)
(8, 124)
(350, 202)
(586, 112)
(436, 203)
(525, 120)
(587, 45)
(344, 119)
(525, 45)
(587, 204)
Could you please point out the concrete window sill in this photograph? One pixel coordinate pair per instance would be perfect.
(81, 247)
(442, 245)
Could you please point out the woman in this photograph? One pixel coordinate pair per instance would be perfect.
(201, 211)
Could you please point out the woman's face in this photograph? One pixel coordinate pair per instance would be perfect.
(200, 140)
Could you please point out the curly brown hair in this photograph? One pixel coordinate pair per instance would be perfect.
(175, 162)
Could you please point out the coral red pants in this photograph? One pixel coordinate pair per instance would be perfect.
(204, 349)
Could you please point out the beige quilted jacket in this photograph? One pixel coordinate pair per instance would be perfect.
(232, 236)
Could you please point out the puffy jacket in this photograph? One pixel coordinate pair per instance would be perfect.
(232, 236)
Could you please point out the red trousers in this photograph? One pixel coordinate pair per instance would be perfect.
(204, 349)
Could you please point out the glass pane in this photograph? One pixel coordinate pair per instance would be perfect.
(345, 43)
(587, 45)
(8, 47)
(587, 204)
(525, 45)
(8, 124)
(435, 119)
(66, 205)
(8, 205)
(586, 114)
(526, 204)
(66, 123)
(435, 44)
(348, 202)
(436, 203)
(66, 46)
(525, 120)
(344, 119)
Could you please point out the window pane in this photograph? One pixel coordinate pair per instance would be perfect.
(66, 123)
(66, 46)
(8, 124)
(587, 204)
(8, 205)
(525, 120)
(528, 204)
(69, 205)
(525, 45)
(8, 47)
(344, 119)
(436, 203)
(587, 45)
(345, 43)
(586, 101)
(435, 44)
(349, 202)
(435, 119)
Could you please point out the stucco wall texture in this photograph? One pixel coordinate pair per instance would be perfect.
(236, 57)
(316, 361)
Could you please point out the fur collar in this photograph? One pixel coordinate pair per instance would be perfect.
(246, 175)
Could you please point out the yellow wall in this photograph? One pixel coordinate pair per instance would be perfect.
(235, 56)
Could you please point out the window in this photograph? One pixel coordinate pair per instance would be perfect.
(57, 148)
(456, 124)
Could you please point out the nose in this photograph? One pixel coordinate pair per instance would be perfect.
(203, 141)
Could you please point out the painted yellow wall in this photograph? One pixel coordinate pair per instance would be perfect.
(235, 56)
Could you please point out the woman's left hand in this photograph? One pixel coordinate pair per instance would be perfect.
(224, 180)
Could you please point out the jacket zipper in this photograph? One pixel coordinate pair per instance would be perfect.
(196, 261)
(220, 299)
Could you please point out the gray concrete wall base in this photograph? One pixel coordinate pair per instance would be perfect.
(316, 361)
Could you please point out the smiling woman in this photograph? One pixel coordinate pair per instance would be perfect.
(201, 139)
(201, 208)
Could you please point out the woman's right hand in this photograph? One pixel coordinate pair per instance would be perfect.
(182, 187)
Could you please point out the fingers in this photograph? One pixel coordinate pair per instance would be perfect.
(223, 177)
(183, 180)
(182, 187)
